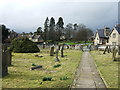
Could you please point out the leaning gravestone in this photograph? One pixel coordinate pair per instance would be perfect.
(52, 51)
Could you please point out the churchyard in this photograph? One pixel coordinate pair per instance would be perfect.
(56, 67)
(58, 74)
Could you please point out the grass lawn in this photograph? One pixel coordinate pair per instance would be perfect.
(107, 67)
(20, 75)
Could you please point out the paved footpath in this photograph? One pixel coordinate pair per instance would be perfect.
(87, 75)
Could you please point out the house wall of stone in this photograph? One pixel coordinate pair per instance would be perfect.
(116, 39)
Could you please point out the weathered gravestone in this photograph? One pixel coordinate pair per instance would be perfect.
(4, 64)
(57, 59)
(59, 47)
(62, 48)
(118, 50)
(114, 54)
(9, 57)
(36, 67)
(52, 51)
(105, 49)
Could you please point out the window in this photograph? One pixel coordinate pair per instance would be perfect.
(113, 43)
(114, 35)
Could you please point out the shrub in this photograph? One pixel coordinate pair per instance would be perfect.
(58, 65)
(63, 78)
(23, 45)
(47, 78)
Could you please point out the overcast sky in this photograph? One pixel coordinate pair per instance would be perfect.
(27, 15)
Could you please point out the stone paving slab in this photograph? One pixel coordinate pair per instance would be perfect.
(87, 75)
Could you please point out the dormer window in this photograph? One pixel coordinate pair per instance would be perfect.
(114, 35)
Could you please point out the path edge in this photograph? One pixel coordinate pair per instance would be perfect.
(75, 74)
(101, 76)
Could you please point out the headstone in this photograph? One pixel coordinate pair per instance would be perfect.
(105, 49)
(36, 67)
(59, 47)
(52, 51)
(9, 57)
(118, 50)
(114, 54)
(57, 59)
(4, 64)
(67, 47)
(62, 48)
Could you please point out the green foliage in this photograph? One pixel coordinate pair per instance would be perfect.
(47, 78)
(63, 78)
(5, 32)
(34, 64)
(58, 65)
(23, 45)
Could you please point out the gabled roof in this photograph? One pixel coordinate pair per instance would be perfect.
(117, 27)
(101, 33)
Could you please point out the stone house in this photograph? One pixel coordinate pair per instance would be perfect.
(101, 36)
(36, 38)
(114, 36)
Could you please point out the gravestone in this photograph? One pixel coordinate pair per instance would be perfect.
(114, 54)
(4, 64)
(105, 49)
(52, 51)
(57, 59)
(9, 57)
(118, 50)
(59, 47)
(36, 67)
(62, 48)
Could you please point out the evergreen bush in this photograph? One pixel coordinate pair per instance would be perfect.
(23, 45)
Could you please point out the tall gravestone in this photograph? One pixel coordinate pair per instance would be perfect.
(114, 54)
(57, 59)
(52, 51)
(4, 64)
(62, 48)
(9, 57)
(118, 50)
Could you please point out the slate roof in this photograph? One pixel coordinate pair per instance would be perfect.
(117, 27)
(101, 33)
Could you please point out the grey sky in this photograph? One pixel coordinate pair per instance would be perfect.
(28, 15)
